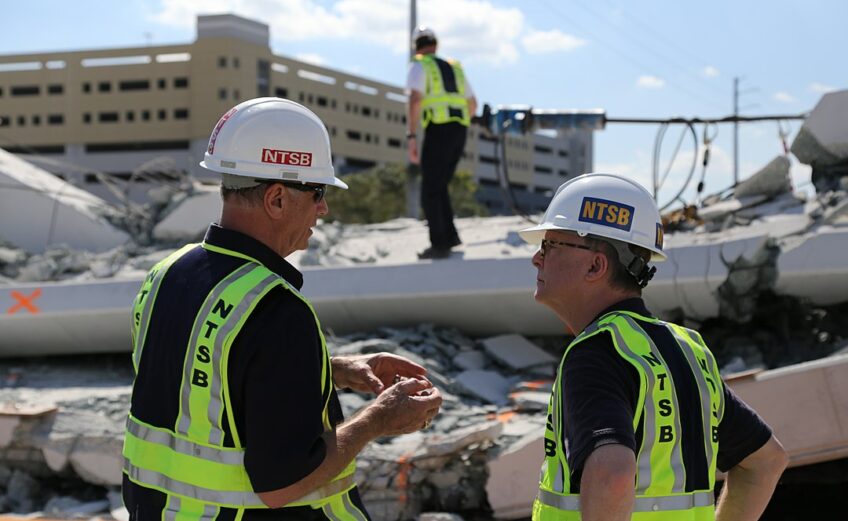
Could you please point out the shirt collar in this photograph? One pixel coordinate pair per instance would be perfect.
(247, 245)
(634, 305)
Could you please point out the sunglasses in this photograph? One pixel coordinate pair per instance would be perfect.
(318, 191)
(547, 244)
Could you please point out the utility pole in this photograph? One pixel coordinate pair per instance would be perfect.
(735, 131)
(411, 170)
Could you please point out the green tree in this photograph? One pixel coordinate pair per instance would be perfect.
(379, 194)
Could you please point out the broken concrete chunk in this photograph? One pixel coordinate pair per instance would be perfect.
(439, 516)
(451, 442)
(514, 478)
(469, 360)
(516, 351)
(531, 400)
(487, 385)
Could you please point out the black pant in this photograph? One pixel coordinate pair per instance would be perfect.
(442, 150)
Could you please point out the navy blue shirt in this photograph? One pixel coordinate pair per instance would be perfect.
(274, 374)
(600, 389)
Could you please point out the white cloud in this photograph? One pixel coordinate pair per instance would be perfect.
(537, 42)
(471, 30)
(311, 57)
(710, 71)
(821, 88)
(650, 82)
(783, 97)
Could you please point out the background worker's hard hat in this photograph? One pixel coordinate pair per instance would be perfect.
(606, 206)
(423, 35)
(272, 138)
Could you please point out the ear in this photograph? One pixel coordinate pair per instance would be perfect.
(274, 200)
(598, 268)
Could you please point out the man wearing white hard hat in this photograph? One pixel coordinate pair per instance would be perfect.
(234, 410)
(639, 419)
(441, 98)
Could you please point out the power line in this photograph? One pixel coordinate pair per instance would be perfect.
(645, 46)
(626, 56)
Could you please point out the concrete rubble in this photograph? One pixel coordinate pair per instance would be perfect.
(62, 420)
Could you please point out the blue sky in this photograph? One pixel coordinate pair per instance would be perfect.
(651, 58)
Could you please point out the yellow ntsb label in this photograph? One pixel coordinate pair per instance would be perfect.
(606, 213)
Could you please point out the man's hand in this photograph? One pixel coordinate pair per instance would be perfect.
(412, 151)
(373, 373)
(405, 407)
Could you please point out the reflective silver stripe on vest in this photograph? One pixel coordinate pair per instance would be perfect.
(681, 502)
(676, 450)
(216, 403)
(704, 390)
(641, 504)
(184, 421)
(183, 446)
(163, 482)
(172, 508)
(144, 322)
(643, 463)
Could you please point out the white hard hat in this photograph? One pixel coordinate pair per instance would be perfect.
(272, 138)
(605, 206)
(422, 31)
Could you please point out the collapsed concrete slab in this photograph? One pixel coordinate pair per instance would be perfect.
(39, 210)
(822, 140)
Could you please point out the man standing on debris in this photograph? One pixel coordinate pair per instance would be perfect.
(639, 418)
(440, 95)
(234, 410)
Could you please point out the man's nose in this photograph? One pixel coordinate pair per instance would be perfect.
(323, 207)
(537, 258)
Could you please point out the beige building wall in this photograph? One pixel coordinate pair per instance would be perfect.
(112, 110)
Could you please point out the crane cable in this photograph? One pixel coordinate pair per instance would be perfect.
(503, 174)
(656, 160)
(708, 139)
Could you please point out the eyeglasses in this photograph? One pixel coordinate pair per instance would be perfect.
(547, 244)
(318, 191)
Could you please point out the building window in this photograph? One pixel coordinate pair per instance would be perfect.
(161, 83)
(162, 114)
(86, 118)
(55, 119)
(310, 99)
(543, 149)
(86, 87)
(134, 85)
(539, 169)
(236, 62)
(4, 121)
(322, 101)
(180, 83)
(353, 135)
(281, 92)
(563, 173)
(367, 137)
(129, 116)
(104, 86)
(26, 90)
(21, 121)
(366, 111)
(562, 153)
(333, 131)
(56, 88)
(1, 91)
(263, 78)
(222, 93)
(36, 120)
(180, 113)
(394, 142)
(145, 115)
(222, 62)
(107, 117)
(236, 94)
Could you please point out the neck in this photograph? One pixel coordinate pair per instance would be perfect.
(253, 223)
(582, 315)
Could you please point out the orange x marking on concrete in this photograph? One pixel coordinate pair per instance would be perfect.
(24, 302)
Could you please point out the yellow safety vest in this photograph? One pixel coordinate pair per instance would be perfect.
(187, 460)
(438, 105)
(660, 475)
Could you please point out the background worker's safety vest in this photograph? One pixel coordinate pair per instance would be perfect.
(187, 460)
(660, 473)
(444, 97)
